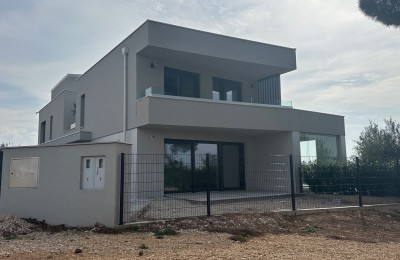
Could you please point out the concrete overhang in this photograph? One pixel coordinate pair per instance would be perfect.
(73, 137)
(216, 52)
(212, 64)
(177, 112)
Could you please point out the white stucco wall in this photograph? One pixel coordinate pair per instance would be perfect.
(58, 198)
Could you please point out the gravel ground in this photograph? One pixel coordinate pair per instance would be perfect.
(11, 226)
(346, 234)
(192, 245)
(170, 207)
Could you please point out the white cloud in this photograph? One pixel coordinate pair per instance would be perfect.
(18, 126)
(347, 64)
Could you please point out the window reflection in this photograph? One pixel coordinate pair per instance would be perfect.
(228, 90)
(315, 146)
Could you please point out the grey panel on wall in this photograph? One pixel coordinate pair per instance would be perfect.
(269, 90)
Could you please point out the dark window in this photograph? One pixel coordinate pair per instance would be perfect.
(51, 128)
(181, 83)
(43, 132)
(185, 166)
(100, 163)
(82, 111)
(228, 90)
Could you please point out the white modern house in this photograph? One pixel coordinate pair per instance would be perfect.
(171, 90)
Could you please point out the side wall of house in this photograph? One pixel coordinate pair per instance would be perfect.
(67, 83)
(103, 87)
(55, 109)
(59, 197)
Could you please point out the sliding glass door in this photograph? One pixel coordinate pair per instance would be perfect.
(181, 83)
(185, 166)
(200, 177)
(227, 90)
(178, 167)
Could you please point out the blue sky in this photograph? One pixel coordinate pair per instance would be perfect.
(347, 64)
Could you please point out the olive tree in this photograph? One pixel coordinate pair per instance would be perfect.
(376, 143)
(386, 12)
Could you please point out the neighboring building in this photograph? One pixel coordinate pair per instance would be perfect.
(171, 90)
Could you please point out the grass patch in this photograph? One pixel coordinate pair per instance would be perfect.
(396, 215)
(9, 236)
(168, 231)
(143, 246)
(312, 228)
(240, 238)
(132, 228)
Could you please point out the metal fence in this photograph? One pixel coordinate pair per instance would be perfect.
(1, 168)
(167, 186)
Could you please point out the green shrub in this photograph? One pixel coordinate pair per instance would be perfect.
(312, 228)
(168, 231)
(329, 177)
(378, 178)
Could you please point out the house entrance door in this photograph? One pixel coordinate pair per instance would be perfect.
(185, 166)
(200, 174)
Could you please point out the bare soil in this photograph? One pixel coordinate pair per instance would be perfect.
(368, 233)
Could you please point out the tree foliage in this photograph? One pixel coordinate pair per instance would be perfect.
(378, 171)
(377, 143)
(383, 11)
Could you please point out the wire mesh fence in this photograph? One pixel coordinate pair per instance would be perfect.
(186, 184)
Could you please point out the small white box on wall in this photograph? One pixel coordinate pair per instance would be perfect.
(93, 173)
(24, 172)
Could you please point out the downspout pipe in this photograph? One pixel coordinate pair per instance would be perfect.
(125, 52)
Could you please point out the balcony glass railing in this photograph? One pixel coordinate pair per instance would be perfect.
(254, 100)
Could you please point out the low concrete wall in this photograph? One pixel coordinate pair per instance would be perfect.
(58, 197)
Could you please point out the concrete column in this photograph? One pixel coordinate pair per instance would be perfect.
(342, 146)
(296, 144)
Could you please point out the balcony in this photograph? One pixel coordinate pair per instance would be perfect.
(174, 112)
(156, 91)
(71, 136)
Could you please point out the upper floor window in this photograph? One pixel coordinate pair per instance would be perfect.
(51, 128)
(228, 90)
(82, 115)
(181, 83)
(42, 137)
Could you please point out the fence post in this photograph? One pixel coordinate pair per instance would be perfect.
(208, 184)
(360, 202)
(398, 176)
(292, 190)
(1, 167)
(121, 189)
(300, 179)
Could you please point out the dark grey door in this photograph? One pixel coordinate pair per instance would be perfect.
(231, 166)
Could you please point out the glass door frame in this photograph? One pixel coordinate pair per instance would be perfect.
(219, 144)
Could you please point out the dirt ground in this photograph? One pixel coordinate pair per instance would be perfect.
(369, 233)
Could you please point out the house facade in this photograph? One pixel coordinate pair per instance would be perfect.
(182, 92)
(131, 134)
